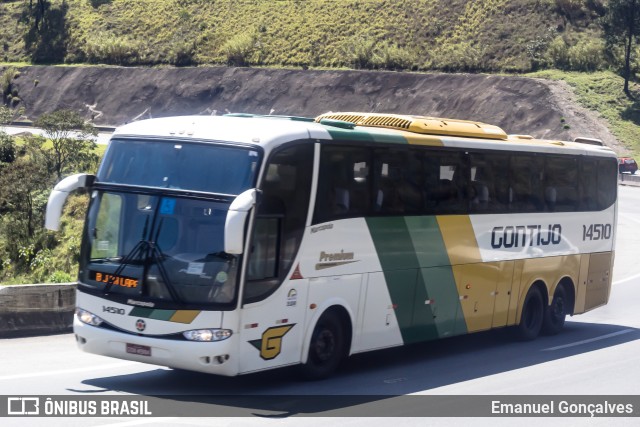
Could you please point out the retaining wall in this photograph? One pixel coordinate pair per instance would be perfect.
(36, 309)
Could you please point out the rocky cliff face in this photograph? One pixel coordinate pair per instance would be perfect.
(113, 96)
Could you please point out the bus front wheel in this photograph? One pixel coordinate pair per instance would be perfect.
(327, 347)
(532, 315)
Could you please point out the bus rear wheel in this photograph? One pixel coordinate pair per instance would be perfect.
(327, 347)
(532, 315)
(556, 313)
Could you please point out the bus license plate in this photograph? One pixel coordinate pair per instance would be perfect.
(142, 350)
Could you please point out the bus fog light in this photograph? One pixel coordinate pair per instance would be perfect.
(207, 334)
(89, 318)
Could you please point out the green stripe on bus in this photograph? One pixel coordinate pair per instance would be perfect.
(436, 274)
(400, 268)
(427, 241)
(419, 278)
(162, 314)
(364, 136)
(151, 313)
(441, 287)
(141, 312)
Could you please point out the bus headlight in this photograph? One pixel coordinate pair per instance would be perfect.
(89, 318)
(207, 334)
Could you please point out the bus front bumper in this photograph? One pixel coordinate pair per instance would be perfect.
(218, 358)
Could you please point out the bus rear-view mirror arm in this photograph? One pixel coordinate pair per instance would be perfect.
(59, 195)
(236, 219)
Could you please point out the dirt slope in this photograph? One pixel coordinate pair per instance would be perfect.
(113, 96)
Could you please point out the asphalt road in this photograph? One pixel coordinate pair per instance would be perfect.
(598, 353)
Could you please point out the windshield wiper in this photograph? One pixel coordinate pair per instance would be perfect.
(159, 257)
(134, 253)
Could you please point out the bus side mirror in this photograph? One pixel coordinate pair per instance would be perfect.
(236, 219)
(59, 195)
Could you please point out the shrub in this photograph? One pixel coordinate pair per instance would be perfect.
(361, 53)
(587, 55)
(393, 57)
(557, 53)
(460, 57)
(242, 49)
(6, 80)
(183, 54)
(59, 277)
(110, 49)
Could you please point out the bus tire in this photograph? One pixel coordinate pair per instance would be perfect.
(326, 348)
(532, 315)
(556, 313)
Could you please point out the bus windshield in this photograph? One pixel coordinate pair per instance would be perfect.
(161, 248)
(211, 168)
(149, 236)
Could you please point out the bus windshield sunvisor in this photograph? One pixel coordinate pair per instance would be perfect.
(210, 168)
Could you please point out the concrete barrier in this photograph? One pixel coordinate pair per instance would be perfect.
(628, 179)
(36, 309)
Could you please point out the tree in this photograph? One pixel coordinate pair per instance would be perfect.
(7, 146)
(24, 187)
(72, 142)
(622, 26)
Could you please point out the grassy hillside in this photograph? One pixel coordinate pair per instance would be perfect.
(601, 92)
(505, 35)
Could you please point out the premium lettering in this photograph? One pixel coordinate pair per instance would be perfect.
(339, 256)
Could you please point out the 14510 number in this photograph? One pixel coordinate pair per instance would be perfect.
(596, 232)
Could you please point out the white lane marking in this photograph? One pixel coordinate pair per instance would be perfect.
(627, 279)
(68, 371)
(629, 217)
(602, 337)
(141, 422)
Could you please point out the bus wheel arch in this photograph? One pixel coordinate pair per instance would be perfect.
(532, 313)
(328, 344)
(561, 304)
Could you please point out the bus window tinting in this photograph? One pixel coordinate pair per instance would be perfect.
(432, 181)
(186, 166)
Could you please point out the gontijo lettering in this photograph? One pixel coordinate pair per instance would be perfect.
(519, 236)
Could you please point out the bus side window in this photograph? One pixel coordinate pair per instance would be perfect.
(344, 183)
(561, 183)
(447, 183)
(589, 185)
(527, 176)
(607, 182)
(280, 219)
(489, 183)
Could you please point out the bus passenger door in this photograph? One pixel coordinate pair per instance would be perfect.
(275, 294)
(271, 331)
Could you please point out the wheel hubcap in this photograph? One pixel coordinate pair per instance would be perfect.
(325, 345)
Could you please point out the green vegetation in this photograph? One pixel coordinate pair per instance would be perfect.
(539, 37)
(28, 170)
(456, 35)
(602, 92)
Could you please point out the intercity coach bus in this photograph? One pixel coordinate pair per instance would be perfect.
(241, 243)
